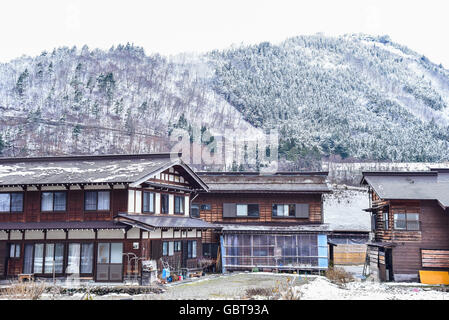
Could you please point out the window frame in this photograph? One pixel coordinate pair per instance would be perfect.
(10, 202)
(193, 207)
(17, 254)
(53, 200)
(190, 249)
(247, 215)
(154, 201)
(407, 228)
(183, 202)
(289, 205)
(168, 202)
(96, 201)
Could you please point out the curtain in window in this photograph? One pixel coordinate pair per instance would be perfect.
(59, 258)
(49, 256)
(171, 248)
(47, 201)
(103, 200)
(242, 210)
(193, 249)
(164, 203)
(5, 201)
(116, 252)
(38, 257)
(179, 204)
(90, 200)
(28, 259)
(103, 253)
(73, 261)
(87, 257)
(148, 202)
(60, 201)
(16, 202)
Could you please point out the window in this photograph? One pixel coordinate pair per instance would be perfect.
(195, 211)
(54, 257)
(165, 248)
(97, 200)
(168, 248)
(284, 210)
(191, 249)
(206, 207)
(14, 250)
(179, 204)
(406, 221)
(247, 210)
(80, 259)
(171, 248)
(385, 220)
(177, 246)
(164, 203)
(148, 202)
(11, 202)
(53, 201)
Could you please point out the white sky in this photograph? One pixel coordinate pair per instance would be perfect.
(173, 26)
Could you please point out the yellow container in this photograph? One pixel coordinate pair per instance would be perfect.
(434, 277)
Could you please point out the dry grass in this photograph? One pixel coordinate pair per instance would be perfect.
(339, 276)
(286, 290)
(29, 290)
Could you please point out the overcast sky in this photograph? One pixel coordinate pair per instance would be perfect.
(172, 26)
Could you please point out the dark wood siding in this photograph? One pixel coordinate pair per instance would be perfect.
(265, 202)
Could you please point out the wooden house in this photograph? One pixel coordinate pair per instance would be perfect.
(410, 221)
(97, 217)
(267, 222)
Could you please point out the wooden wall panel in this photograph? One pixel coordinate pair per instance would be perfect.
(265, 202)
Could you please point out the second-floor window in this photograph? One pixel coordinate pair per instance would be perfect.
(247, 210)
(97, 201)
(164, 203)
(148, 202)
(54, 201)
(406, 221)
(195, 210)
(283, 210)
(179, 204)
(385, 220)
(11, 202)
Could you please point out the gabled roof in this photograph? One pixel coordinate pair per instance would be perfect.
(422, 185)
(131, 169)
(284, 182)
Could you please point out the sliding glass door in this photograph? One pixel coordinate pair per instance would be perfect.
(110, 262)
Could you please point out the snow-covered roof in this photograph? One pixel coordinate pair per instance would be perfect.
(87, 169)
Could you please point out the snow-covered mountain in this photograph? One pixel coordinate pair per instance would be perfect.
(354, 96)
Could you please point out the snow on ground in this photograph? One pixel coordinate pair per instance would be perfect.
(322, 289)
(309, 287)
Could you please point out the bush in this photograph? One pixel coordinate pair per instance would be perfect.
(339, 276)
(286, 290)
(265, 292)
(29, 290)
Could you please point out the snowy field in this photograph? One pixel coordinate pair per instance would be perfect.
(306, 287)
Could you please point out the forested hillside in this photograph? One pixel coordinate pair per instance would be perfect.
(354, 96)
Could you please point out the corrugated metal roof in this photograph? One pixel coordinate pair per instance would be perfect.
(295, 182)
(409, 186)
(159, 221)
(56, 225)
